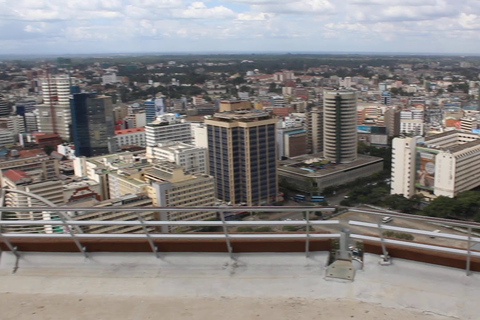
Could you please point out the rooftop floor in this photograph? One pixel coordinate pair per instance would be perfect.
(211, 286)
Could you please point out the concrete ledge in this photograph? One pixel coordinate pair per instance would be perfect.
(406, 285)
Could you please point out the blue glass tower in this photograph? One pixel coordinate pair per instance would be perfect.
(92, 124)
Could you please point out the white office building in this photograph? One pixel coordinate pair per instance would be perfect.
(192, 159)
(167, 128)
(134, 136)
(440, 165)
(54, 116)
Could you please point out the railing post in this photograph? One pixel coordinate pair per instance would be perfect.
(72, 234)
(469, 244)
(225, 232)
(150, 240)
(385, 257)
(9, 245)
(307, 234)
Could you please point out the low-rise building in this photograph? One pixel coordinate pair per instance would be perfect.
(167, 128)
(170, 186)
(192, 159)
(313, 173)
(134, 136)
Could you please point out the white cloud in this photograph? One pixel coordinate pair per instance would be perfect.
(261, 16)
(116, 25)
(198, 10)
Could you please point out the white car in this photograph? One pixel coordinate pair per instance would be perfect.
(387, 219)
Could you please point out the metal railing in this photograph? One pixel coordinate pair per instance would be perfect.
(70, 226)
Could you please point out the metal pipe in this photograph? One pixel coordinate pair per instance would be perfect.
(225, 232)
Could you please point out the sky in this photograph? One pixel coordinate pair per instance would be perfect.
(163, 26)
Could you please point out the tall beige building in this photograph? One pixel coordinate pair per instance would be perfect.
(243, 156)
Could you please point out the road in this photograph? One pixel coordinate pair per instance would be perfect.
(364, 217)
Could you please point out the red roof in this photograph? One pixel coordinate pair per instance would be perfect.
(132, 130)
(15, 175)
(30, 153)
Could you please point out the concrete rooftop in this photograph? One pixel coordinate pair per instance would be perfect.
(211, 286)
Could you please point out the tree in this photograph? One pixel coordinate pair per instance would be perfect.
(441, 207)
(330, 190)
(238, 80)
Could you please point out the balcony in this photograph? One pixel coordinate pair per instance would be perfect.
(281, 274)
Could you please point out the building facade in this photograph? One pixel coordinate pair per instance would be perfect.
(134, 136)
(170, 186)
(92, 124)
(440, 165)
(340, 126)
(191, 159)
(314, 120)
(53, 115)
(163, 130)
(243, 156)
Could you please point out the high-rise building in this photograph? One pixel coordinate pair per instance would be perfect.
(56, 90)
(340, 126)
(150, 110)
(242, 156)
(92, 124)
(439, 165)
(53, 115)
(392, 121)
(314, 121)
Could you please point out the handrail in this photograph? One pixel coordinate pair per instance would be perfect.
(148, 228)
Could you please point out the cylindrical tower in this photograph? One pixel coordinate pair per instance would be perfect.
(340, 125)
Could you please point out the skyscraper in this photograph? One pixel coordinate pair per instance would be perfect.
(92, 124)
(53, 115)
(340, 125)
(314, 119)
(242, 156)
(153, 108)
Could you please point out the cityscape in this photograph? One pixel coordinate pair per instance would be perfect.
(252, 130)
(191, 151)
(239, 159)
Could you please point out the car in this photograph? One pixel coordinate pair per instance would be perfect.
(387, 219)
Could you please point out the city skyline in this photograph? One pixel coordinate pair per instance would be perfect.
(168, 26)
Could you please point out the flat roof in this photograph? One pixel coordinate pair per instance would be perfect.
(294, 165)
(212, 286)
